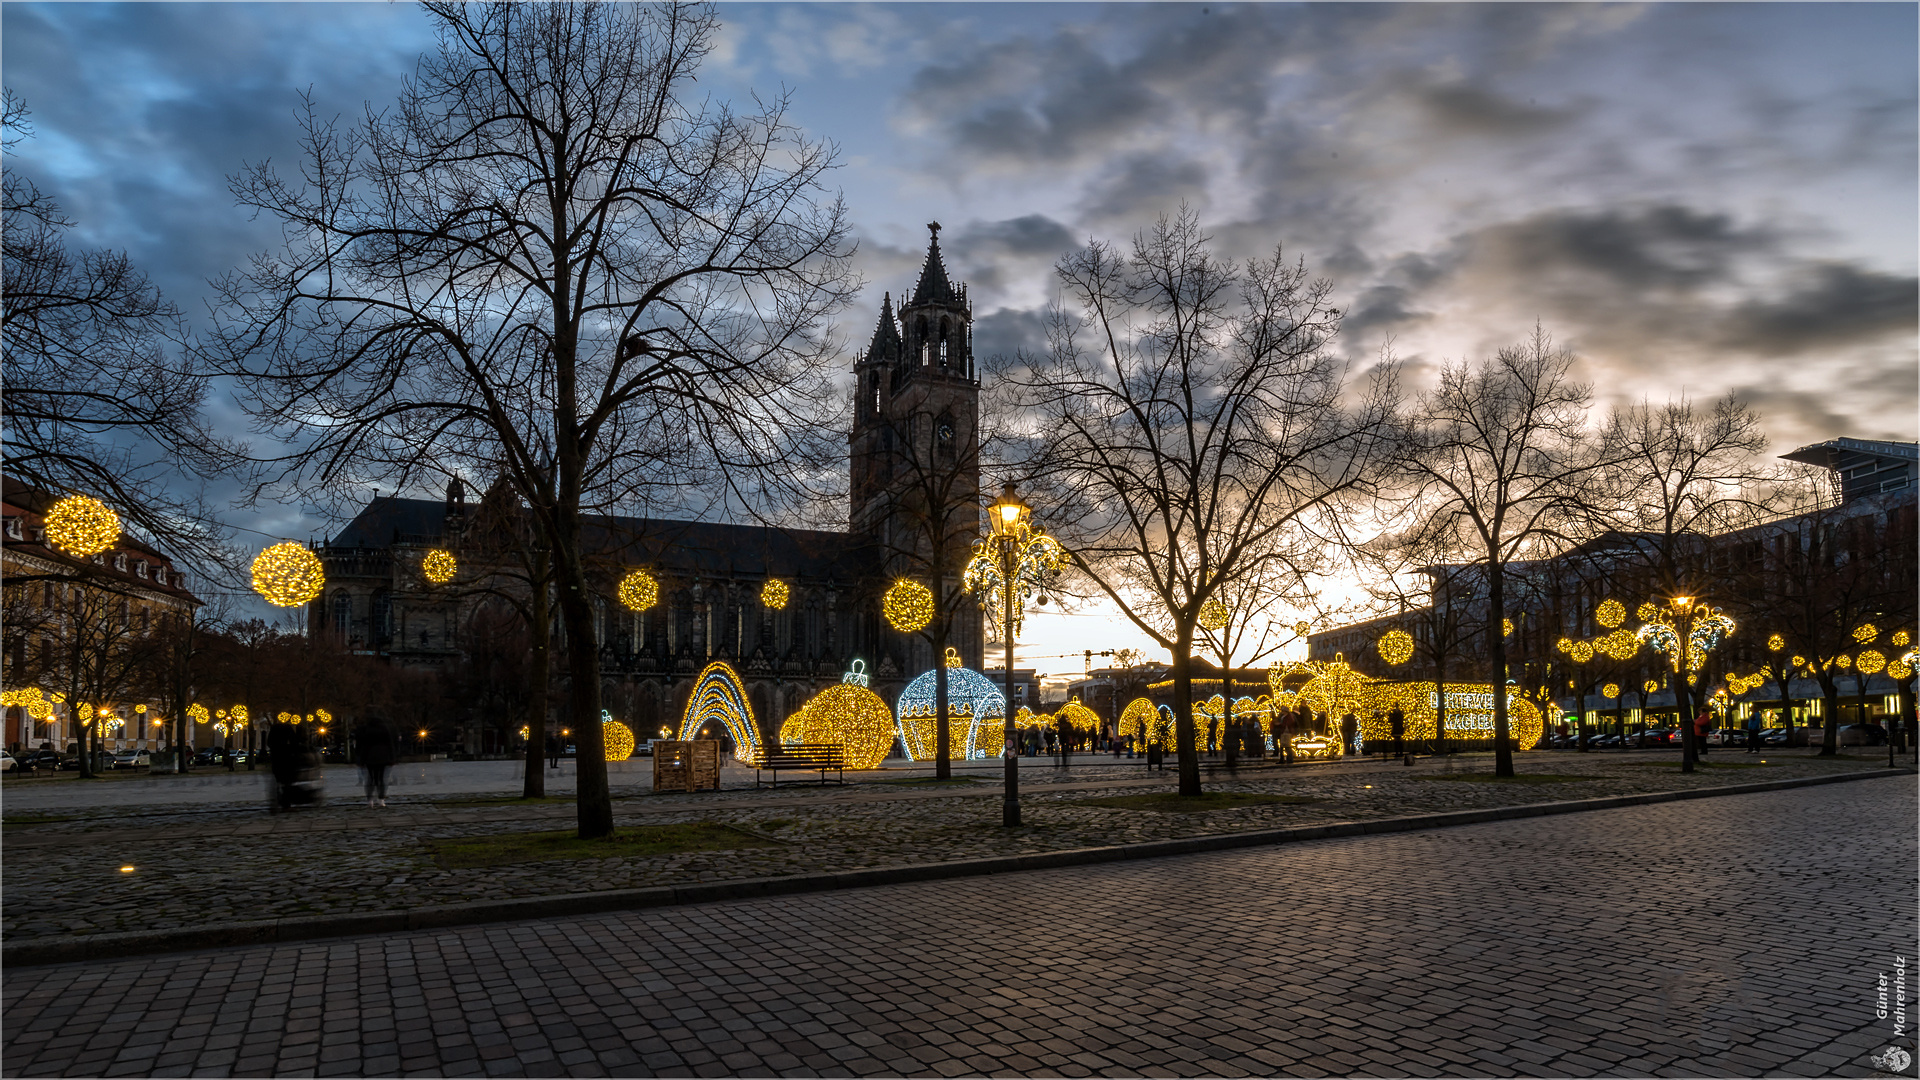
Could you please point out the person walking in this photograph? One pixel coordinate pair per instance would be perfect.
(553, 751)
(287, 747)
(1753, 732)
(1397, 725)
(1700, 725)
(379, 749)
(1350, 732)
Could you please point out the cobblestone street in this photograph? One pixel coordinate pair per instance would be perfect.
(1732, 937)
(231, 861)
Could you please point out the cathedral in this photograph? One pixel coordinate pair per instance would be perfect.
(914, 441)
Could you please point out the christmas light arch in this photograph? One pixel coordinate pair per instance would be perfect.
(719, 695)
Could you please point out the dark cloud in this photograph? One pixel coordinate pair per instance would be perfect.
(1008, 331)
(1827, 305)
(1467, 109)
(1142, 187)
(1031, 235)
(1649, 248)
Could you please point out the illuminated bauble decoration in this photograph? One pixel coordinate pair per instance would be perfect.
(1611, 690)
(1647, 612)
(1469, 715)
(848, 714)
(1899, 670)
(1843, 662)
(1901, 639)
(1506, 627)
(1865, 632)
(1610, 613)
(1396, 647)
(908, 606)
(719, 695)
(324, 716)
(1564, 645)
(1213, 615)
(976, 711)
(1142, 720)
(1775, 643)
(1581, 652)
(221, 713)
(197, 713)
(82, 526)
(1301, 629)
(616, 737)
(1079, 717)
(638, 591)
(774, 594)
(438, 567)
(288, 575)
(1650, 686)
(953, 658)
(1798, 661)
(1870, 662)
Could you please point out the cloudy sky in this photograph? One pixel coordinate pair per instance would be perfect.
(1695, 198)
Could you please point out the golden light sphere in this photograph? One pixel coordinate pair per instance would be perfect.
(1610, 613)
(1079, 717)
(1865, 632)
(1775, 643)
(1581, 652)
(1213, 615)
(288, 575)
(1870, 662)
(1843, 662)
(197, 713)
(617, 738)
(438, 567)
(847, 714)
(1651, 686)
(638, 591)
(908, 606)
(82, 526)
(1798, 661)
(1396, 647)
(774, 594)
(1611, 690)
(1647, 612)
(1301, 629)
(1506, 627)
(1901, 639)
(1899, 669)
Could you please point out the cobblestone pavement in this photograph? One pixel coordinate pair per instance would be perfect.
(1629, 942)
(234, 862)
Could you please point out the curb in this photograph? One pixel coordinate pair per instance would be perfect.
(63, 950)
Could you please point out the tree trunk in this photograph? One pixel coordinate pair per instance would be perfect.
(1183, 731)
(1439, 707)
(1496, 628)
(942, 741)
(1830, 723)
(540, 637)
(1683, 692)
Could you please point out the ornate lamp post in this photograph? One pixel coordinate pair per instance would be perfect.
(1010, 561)
(1686, 631)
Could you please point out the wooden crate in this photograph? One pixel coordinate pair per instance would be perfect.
(686, 765)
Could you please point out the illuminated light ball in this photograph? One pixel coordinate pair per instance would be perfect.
(324, 716)
(1396, 647)
(1564, 645)
(523, 731)
(288, 575)
(1899, 669)
(1775, 643)
(1611, 690)
(1506, 627)
(1141, 719)
(848, 714)
(1647, 612)
(197, 713)
(617, 738)
(1865, 632)
(1798, 661)
(82, 526)
(1870, 662)
(1301, 629)
(439, 566)
(1843, 662)
(1901, 639)
(1650, 686)
(1213, 615)
(1581, 652)
(976, 711)
(1610, 613)
(220, 713)
(774, 594)
(908, 606)
(1078, 716)
(638, 591)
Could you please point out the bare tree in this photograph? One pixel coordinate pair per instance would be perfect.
(1193, 418)
(1505, 462)
(1409, 576)
(100, 397)
(550, 256)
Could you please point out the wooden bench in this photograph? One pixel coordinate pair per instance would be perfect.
(821, 758)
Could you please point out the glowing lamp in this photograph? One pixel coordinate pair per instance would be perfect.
(438, 567)
(82, 526)
(774, 594)
(908, 606)
(288, 575)
(1008, 515)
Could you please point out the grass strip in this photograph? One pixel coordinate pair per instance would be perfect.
(1167, 802)
(639, 842)
(1523, 778)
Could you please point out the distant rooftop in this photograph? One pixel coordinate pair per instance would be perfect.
(1864, 466)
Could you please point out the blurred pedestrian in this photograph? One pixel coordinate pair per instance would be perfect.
(553, 751)
(286, 748)
(1350, 732)
(1700, 725)
(379, 749)
(1753, 733)
(1397, 725)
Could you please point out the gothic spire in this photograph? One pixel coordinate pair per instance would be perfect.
(933, 286)
(886, 335)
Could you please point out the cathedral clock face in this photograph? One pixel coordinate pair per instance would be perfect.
(945, 434)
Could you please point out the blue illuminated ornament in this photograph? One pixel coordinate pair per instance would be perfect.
(975, 712)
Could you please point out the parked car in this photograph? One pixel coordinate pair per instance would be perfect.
(1863, 735)
(38, 761)
(1656, 737)
(7, 762)
(1606, 742)
(241, 755)
(212, 755)
(132, 759)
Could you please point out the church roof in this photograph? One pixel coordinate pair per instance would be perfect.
(933, 287)
(886, 334)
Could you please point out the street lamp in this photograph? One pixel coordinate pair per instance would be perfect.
(1686, 631)
(1011, 560)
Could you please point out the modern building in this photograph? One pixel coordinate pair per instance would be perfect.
(917, 410)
